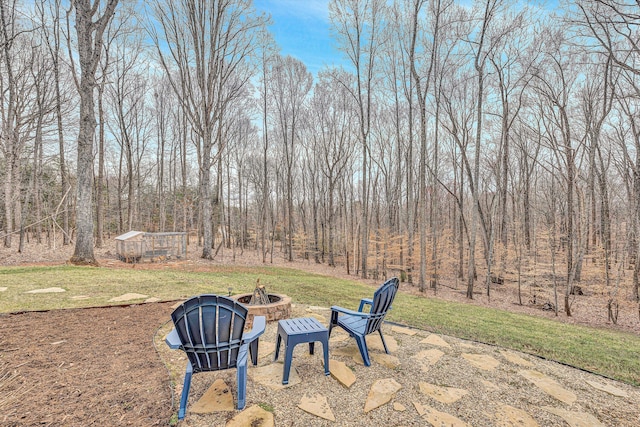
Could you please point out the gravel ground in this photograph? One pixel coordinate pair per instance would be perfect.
(488, 390)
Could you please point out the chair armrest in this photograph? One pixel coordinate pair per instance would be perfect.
(349, 312)
(365, 301)
(173, 340)
(259, 325)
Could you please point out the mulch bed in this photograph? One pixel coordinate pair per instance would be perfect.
(84, 367)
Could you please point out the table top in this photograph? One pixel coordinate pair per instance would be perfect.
(301, 325)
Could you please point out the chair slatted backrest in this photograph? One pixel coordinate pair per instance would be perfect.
(210, 328)
(382, 300)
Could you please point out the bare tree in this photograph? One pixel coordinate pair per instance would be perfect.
(127, 94)
(333, 113)
(401, 89)
(422, 81)
(9, 134)
(201, 47)
(16, 85)
(291, 83)
(555, 82)
(614, 26)
(91, 20)
(267, 50)
(511, 60)
(162, 115)
(52, 30)
(481, 46)
(358, 28)
(115, 30)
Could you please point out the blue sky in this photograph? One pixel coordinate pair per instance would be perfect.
(301, 29)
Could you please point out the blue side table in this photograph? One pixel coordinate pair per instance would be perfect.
(301, 330)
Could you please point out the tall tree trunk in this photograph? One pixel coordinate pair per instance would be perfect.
(53, 44)
(7, 19)
(100, 184)
(474, 187)
(89, 35)
(569, 154)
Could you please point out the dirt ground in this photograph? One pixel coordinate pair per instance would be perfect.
(98, 366)
(84, 367)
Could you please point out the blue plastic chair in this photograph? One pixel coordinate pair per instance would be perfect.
(359, 324)
(210, 329)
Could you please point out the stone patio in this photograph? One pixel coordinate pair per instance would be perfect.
(428, 379)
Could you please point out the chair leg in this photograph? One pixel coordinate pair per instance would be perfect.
(383, 343)
(333, 321)
(253, 350)
(364, 351)
(278, 342)
(325, 350)
(185, 391)
(241, 379)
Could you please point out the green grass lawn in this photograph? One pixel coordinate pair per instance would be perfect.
(603, 351)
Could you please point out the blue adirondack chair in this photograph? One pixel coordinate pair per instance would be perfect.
(210, 329)
(359, 323)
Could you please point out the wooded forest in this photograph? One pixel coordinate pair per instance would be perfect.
(457, 138)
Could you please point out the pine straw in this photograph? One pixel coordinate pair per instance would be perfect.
(11, 384)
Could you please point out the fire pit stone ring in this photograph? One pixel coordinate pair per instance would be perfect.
(279, 307)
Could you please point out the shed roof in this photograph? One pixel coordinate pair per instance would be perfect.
(129, 235)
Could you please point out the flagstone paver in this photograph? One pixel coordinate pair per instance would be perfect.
(80, 297)
(217, 398)
(317, 405)
(342, 373)
(271, 376)
(549, 386)
(374, 343)
(152, 299)
(437, 418)
(399, 407)
(388, 360)
(3, 288)
(46, 291)
(253, 416)
(574, 418)
(434, 339)
(381, 392)
(508, 416)
(403, 330)
(128, 297)
(348, 351)
(514, 358)
(265, 348)
(442, 394)
(428, 358)
(481, 361)
(608, 389)
(337, 336)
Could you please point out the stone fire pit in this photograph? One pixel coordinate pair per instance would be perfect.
(278, 308)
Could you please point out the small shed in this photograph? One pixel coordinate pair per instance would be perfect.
(138, 246)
